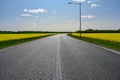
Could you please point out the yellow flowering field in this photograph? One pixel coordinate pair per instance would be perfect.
(7, 37)
(115, 37)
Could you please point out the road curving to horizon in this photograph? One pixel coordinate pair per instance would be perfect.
(58, 57)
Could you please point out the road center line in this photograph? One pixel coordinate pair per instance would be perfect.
(58, 62)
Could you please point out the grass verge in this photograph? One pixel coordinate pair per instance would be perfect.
(105, 43)
(9, 43)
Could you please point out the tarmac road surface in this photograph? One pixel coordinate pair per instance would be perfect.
(58, 57)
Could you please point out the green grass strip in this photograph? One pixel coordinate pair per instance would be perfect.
(105, 43)
(9, 43)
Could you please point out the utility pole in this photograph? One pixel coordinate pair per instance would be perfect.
(80, 24)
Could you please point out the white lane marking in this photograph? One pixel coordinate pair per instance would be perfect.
(58, 62)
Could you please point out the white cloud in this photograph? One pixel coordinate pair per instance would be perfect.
(89, 2)
(39, 10)
(25, 10)
(79, 1)
(26, 15)
(93, 5)
(88, 16)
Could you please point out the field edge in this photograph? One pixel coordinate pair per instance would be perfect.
(108, 44)
(5, 44)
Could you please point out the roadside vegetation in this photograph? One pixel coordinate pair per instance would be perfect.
(10, 39)
(99, 31)
(109, 40)
(113, 37)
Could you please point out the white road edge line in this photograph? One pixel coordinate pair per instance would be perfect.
(102, 47)
(105, 48)
(58, 62)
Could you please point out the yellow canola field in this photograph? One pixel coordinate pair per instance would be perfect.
(7, 37)
(115, 37)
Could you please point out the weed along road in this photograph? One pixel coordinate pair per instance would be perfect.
(58, 57)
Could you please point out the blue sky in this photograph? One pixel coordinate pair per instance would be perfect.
(58, 15)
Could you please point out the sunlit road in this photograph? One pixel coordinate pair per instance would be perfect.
(58, 58)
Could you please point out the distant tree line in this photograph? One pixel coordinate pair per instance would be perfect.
(99, 31)
(85, 31)
(25, 32)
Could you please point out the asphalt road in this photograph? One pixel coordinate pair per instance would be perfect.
(58, 58)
